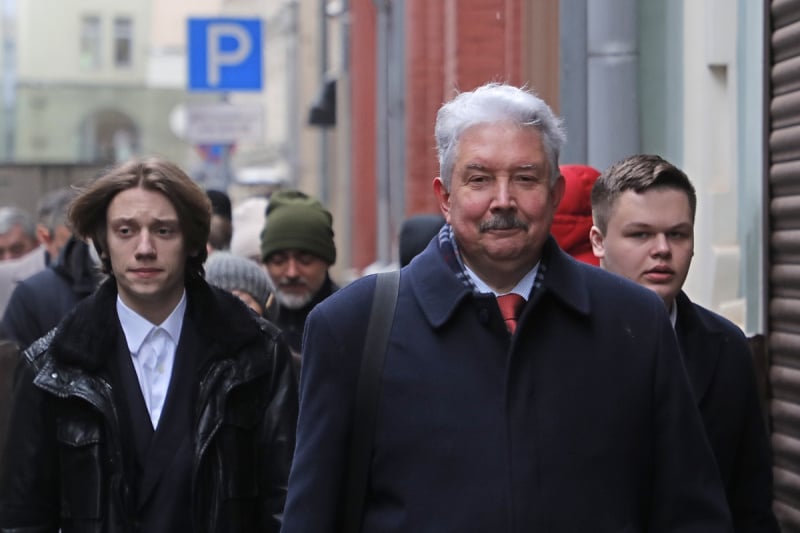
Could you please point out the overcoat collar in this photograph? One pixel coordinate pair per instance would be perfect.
(76, 266)
(439, 292)
(88, 335)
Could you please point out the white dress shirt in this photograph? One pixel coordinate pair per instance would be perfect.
(673, 314)
(523, 288)
(152, 348)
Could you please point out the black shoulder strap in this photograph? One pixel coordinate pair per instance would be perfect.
(384, 300)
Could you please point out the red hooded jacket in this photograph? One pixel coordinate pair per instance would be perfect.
(573, 218)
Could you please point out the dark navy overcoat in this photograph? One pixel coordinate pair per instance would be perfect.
(583, 421)
(719, 364)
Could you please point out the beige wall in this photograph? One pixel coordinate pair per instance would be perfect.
(168, 20)
(55, 97)
(710, 122)
(308, 76)
(48, 41)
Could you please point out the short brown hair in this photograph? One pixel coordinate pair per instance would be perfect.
(87, 212)
(639, 173)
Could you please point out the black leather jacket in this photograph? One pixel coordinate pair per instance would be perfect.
(64, 462)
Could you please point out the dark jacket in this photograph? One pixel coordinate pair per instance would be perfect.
(583, 421)
(39, 302)
(9, 358)
(415, 233)
(720, 368)
(292, 321)
(64, 466)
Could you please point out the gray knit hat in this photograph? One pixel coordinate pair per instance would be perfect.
(232, 272)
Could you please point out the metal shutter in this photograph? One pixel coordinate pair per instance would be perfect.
(783, 30)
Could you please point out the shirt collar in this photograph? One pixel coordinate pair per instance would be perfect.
(448, 248)
(136, 328)
(673, 313)
(523, 287)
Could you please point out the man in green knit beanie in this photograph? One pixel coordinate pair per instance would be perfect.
(297, 249)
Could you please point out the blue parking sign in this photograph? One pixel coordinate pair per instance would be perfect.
(225, 54)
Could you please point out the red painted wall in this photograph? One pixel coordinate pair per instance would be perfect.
(450, 45)
(363, 98)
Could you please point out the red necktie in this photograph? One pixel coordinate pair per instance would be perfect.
(510, 305)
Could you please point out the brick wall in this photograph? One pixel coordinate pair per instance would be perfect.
(450, 44)
(363, 56)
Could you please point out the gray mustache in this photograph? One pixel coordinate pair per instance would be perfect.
(503, 221)
(286, 282)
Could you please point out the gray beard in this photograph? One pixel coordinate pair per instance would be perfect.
(291, 301)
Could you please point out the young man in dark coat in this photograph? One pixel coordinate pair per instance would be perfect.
(159, 404)
(573, 414)
(644, 210)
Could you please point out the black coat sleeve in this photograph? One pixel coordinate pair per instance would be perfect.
(29, 483)
(20, 320)
(278, 437)
(749, 488)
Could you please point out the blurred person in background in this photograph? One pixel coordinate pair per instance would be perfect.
(644, 211)
(297, 249)
(415, 233)
(219, 236)
(20, 254)
(249, 217)
(240, 276)
(573, 218)
(51, 229)
(39, 302)
(17, 233)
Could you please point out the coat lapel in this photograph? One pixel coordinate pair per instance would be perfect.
(134, 418)
(700, 346)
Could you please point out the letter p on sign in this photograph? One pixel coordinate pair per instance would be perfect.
(225, 54)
